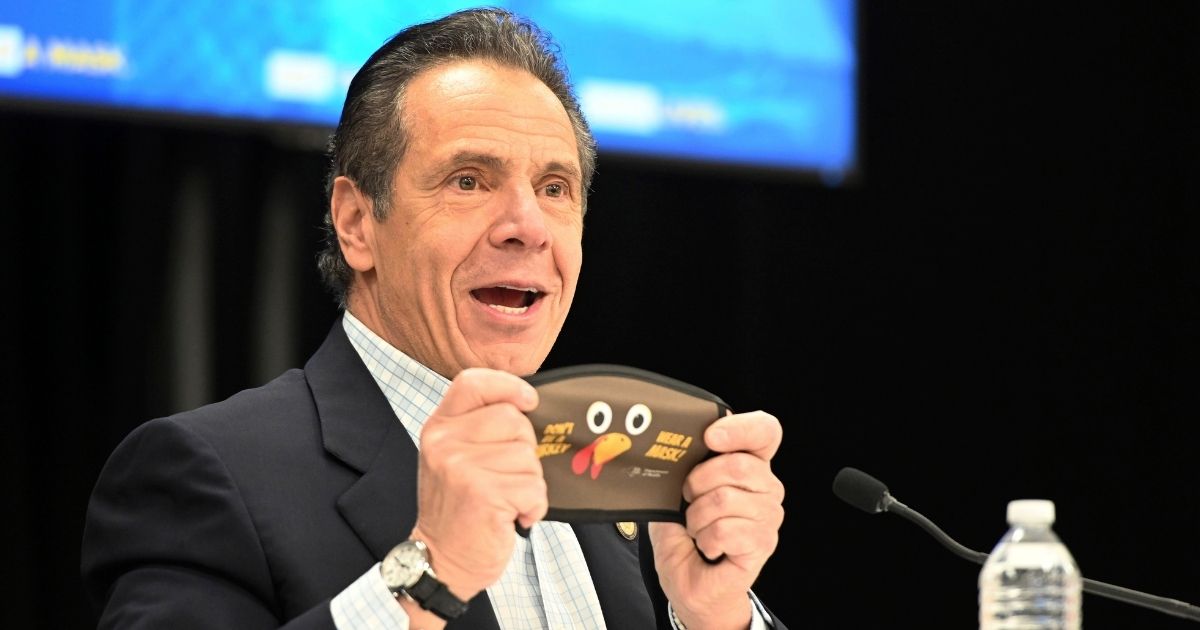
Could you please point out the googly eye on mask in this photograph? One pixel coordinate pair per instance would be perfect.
(616, 442)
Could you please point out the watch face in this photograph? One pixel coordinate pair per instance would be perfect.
(404, 565)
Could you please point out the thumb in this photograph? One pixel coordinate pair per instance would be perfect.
(474, 388)
(670, 540)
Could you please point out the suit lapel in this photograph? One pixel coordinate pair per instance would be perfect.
(382, 506)
(359, 428)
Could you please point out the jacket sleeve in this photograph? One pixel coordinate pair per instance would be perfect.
(168, 542)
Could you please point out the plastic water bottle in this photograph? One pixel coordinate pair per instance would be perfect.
(1030, 581)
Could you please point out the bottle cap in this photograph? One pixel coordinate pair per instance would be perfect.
(1031, 511)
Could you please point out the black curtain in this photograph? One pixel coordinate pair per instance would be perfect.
(1004, 305)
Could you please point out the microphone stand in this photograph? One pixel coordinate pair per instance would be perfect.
(1111, 591)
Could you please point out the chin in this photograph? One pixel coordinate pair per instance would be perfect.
(520, 365)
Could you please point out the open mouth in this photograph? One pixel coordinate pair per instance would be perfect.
(506, 299)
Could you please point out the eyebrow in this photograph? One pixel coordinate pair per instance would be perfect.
(565, 167)
(487, 160)
(469, 158)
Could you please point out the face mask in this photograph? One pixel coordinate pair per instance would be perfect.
(616, 442)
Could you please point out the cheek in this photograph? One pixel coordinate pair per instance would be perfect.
(446, 247)
(416, 276)
(568, 257)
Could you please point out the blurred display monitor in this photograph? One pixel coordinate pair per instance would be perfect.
(760, 83)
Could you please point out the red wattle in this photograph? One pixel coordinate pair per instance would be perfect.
(580, 462)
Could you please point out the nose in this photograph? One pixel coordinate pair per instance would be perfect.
(521, 222)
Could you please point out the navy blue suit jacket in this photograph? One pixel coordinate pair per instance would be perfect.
(255, 511)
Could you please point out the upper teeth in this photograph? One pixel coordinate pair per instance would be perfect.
(505, 286)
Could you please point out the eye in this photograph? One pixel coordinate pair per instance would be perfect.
(466, 182)
(599, 416)
(556, 190)
(638, 419)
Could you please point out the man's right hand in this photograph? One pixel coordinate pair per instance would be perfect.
(479, 473)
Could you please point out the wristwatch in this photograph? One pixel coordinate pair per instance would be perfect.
(406, 571)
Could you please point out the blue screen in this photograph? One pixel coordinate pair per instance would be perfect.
(757, 82)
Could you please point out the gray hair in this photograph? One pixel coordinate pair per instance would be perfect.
(371, 138)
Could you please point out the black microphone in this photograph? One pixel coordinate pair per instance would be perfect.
(870, 495)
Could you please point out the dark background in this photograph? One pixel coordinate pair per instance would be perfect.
(1005, 306)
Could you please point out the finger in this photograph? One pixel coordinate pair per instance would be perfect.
(741, 470)
(478, 387)
(730, 502)
(756, 432)
(738, 539)
(495, 502)
(497, 422)
(526, 519)
(524, 500)
(468, 463)
(671, 543)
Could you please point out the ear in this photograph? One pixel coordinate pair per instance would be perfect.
(354, 221)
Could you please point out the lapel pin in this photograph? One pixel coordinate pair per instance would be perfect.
(627, 529)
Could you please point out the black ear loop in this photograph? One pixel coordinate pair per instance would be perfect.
(524, 533)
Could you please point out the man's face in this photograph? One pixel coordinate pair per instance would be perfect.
(477, 262)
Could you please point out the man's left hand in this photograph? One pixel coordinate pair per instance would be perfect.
(735, 514)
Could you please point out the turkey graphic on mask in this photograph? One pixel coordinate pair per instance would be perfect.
(616, 442)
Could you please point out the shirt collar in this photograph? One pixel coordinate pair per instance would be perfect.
(412, 389)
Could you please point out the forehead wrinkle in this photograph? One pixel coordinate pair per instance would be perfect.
(467, 158)
(528, 125)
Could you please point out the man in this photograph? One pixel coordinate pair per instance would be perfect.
(460, 171)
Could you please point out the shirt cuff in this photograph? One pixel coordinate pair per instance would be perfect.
(367, 604)
(758, 615)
